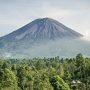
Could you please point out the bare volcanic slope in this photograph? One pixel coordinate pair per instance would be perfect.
(39, 29)
(41, 37)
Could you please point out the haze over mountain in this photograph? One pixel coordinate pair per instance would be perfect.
(43, 37)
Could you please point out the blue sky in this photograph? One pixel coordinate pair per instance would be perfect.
(72, 13)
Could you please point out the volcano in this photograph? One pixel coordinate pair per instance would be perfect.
(38, 37)
(39, 29)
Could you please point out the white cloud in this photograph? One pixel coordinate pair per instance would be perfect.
(86, 35)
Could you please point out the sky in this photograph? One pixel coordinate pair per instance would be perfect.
(73, 13)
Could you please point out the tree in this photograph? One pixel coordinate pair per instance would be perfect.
(58, 83)
(8, 80)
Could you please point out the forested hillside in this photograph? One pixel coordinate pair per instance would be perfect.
(45, 74)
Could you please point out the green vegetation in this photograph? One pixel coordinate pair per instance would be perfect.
(45, 74)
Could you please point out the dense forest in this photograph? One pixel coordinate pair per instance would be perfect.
(45, 73)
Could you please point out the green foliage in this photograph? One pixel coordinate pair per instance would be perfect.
(58, 83)
(7, 79)
(45, 74)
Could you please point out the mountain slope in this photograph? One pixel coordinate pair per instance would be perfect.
(43, 37)
(44, 28)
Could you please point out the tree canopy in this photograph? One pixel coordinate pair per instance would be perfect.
(45, 73)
